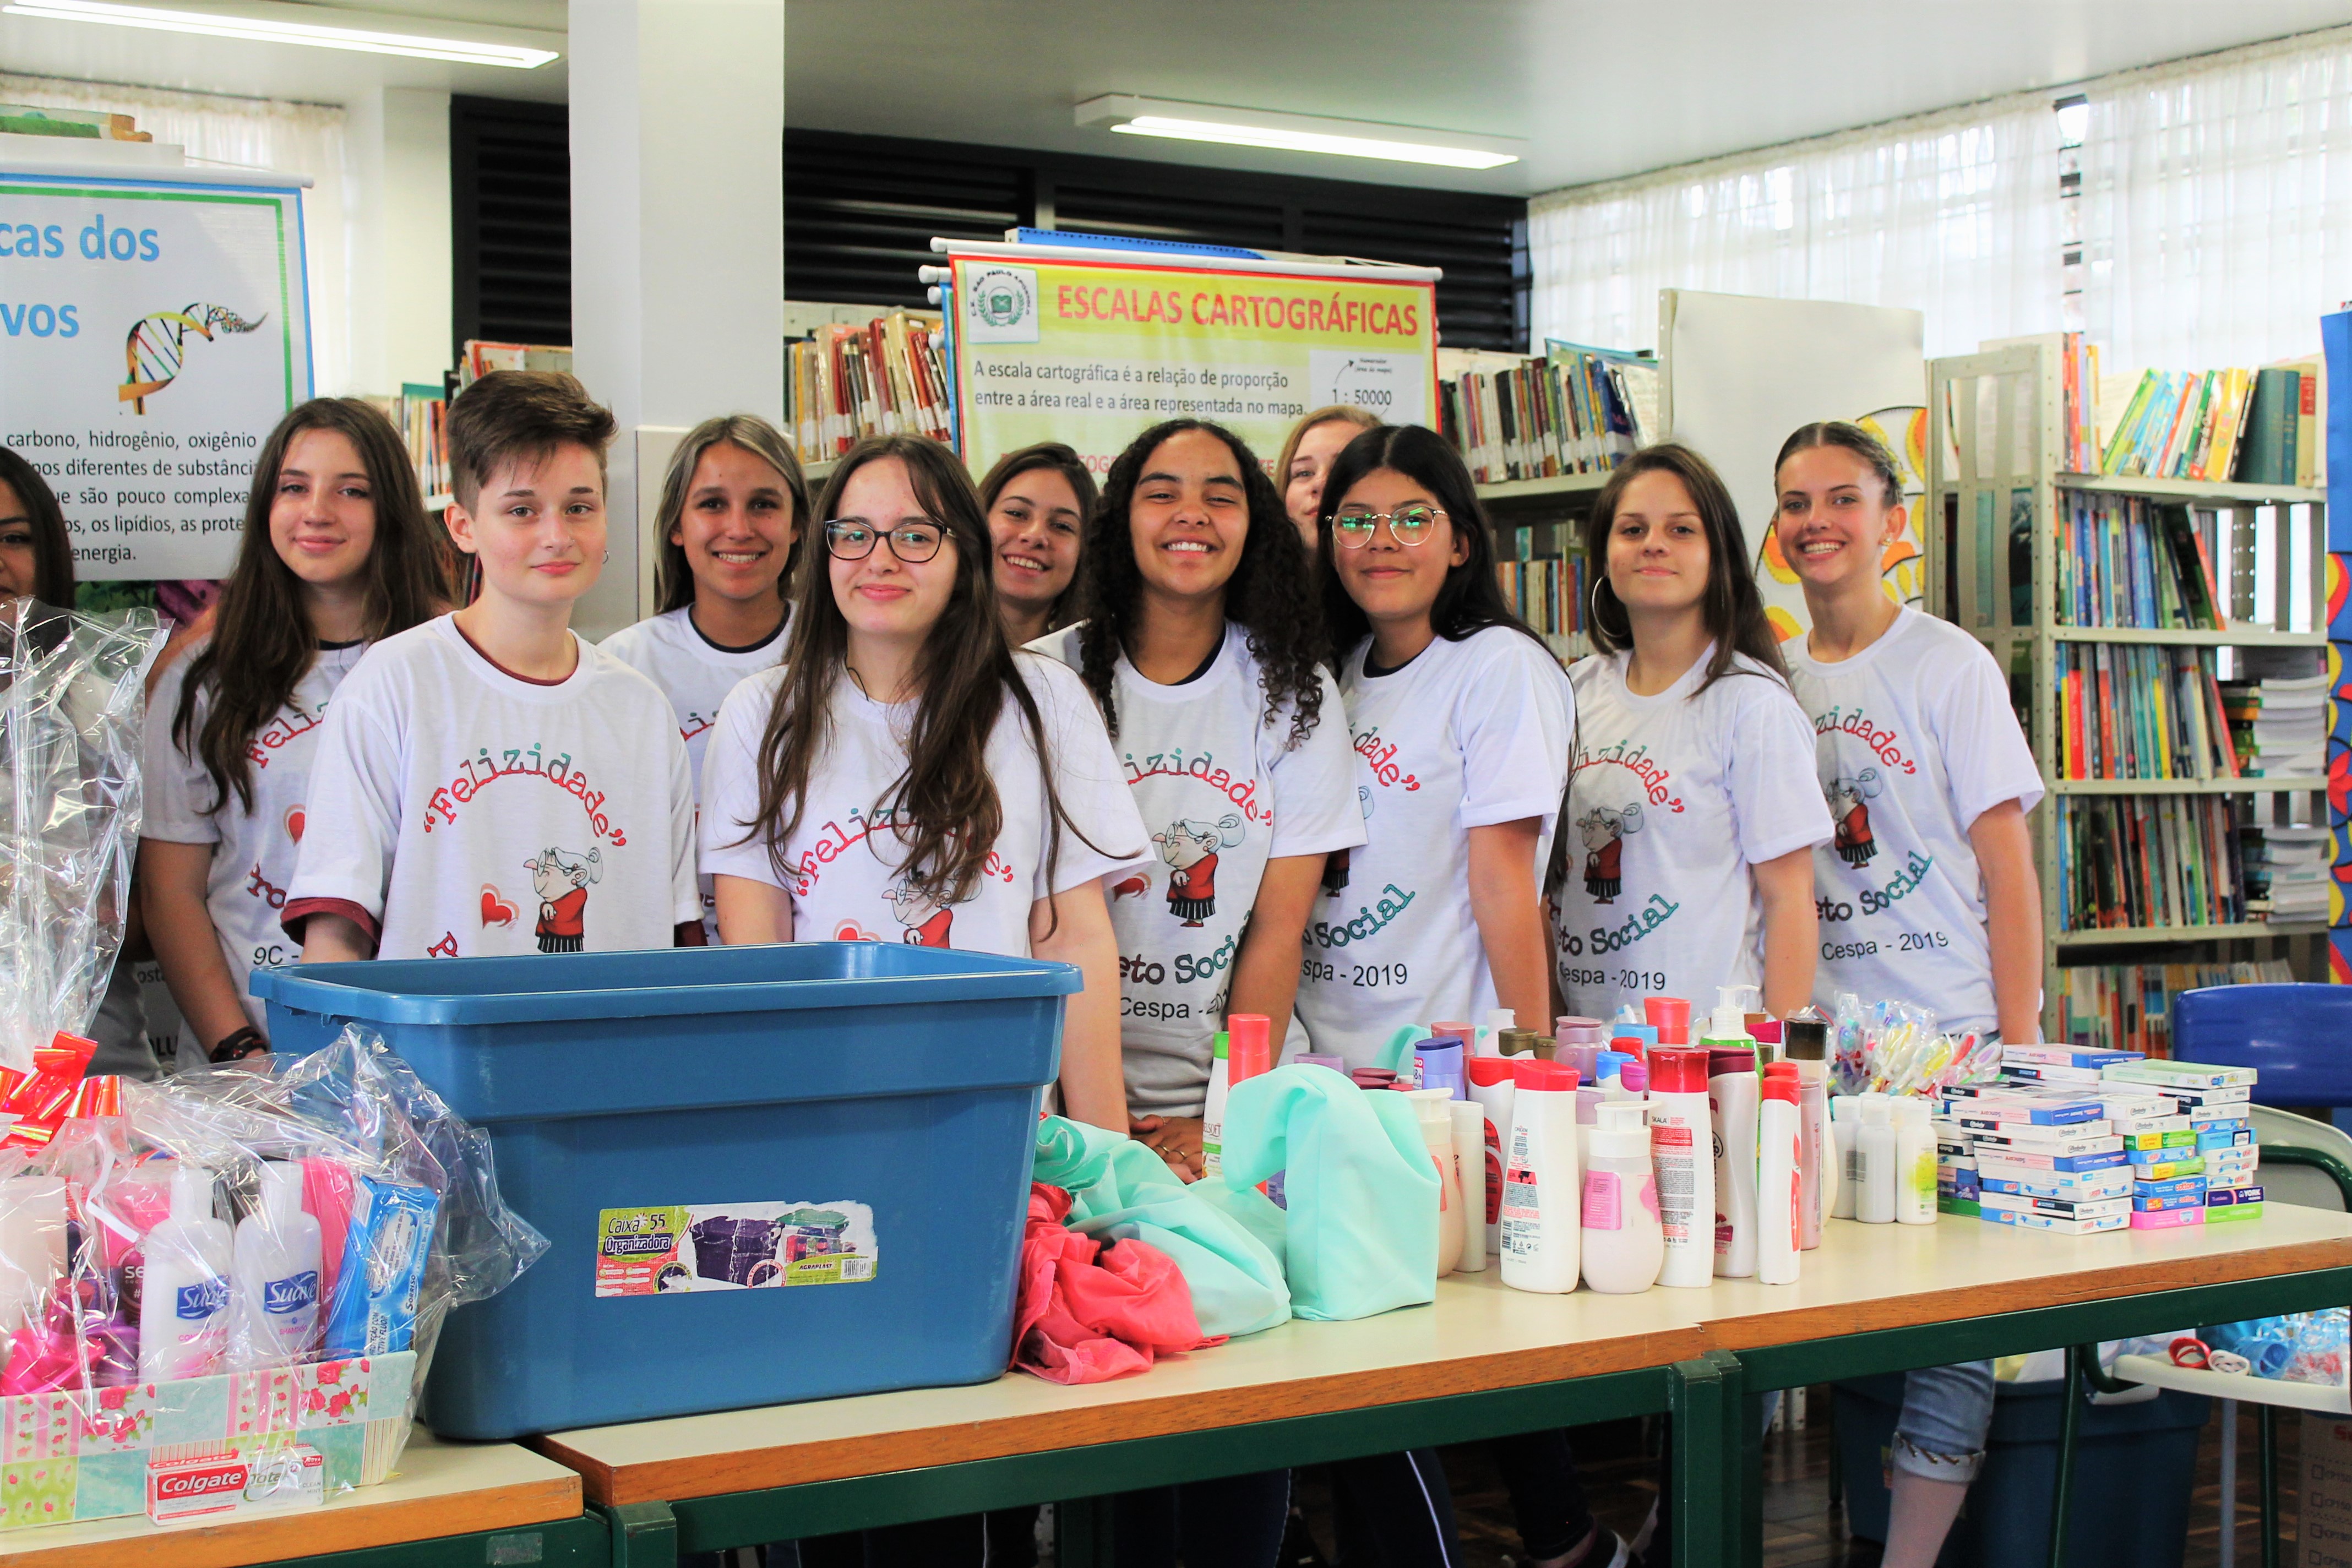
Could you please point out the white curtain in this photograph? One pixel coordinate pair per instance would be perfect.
(254, 133)
(2218, 205)
(1954, 214)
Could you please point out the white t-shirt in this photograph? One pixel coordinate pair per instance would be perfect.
(468, 811)
(1222, 791)
(696, 674)
(253, 852)
(1915, 740)
(1469, 734)
(1671, 799)
(844, 882)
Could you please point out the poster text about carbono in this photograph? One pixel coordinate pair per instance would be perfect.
(118, 487)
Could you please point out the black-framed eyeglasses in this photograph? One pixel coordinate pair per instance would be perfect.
(912, 542)
(1408, 525)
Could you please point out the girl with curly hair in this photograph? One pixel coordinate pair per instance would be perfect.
(1201, 645)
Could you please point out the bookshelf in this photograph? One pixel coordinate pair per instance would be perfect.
(1997, 504)
(1543, 520)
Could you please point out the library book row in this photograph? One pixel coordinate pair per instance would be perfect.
(2144, 711)
(2141, 863)
(2247, 425)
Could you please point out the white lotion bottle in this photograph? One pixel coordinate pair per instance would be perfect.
(1542, 1196)
(1493, 1082)
(1780, 1194)
(274, 1307)
(1874, 1148)
(1731, 1094)
(32, 1249)
(1682, 1148)
(1914, 1164)
(1845, 1127)
(1431, 1107)
(1804, 1036)
(1622, 1242)
(183, 1298)
(1212, 1109)
(1470, 1174)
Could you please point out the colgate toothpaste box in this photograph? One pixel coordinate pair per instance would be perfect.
(267, 1480)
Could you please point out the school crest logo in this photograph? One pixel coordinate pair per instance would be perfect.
(1001, 305)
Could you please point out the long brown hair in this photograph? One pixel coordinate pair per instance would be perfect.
(263, 643)
(53, 569)
(944, 807)
(1732, 608)
(673, 578)
(1065, 462)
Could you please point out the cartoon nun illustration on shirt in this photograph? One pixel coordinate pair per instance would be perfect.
(925, 919)
(562, 879)
(1191, 848)
(1855, 844)
(1604, 831)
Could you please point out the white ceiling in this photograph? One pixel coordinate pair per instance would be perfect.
(1598, 89)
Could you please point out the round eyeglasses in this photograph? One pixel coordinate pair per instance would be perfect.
(1408, 525)
(911, 543)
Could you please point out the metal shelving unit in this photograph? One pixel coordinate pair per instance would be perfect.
(1562, 500)
(1996, 424)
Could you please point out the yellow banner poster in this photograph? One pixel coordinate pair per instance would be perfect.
(1093, 352)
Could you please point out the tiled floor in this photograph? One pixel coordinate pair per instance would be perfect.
(1799, 1530)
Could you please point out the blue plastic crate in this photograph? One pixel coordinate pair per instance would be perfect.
(818, 1075)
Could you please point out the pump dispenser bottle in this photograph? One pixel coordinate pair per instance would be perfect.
(1542, 1197)
(183, 1298)
(1624, 1244)
(1731, 1092)
(1805, 1037)
(274, 1318)
(1682, 1141)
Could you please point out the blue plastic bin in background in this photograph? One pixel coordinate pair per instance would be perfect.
(900, 1076)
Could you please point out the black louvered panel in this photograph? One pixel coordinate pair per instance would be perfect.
(860, 212)
(1480, 300)
(510, 195)
(1168, 212)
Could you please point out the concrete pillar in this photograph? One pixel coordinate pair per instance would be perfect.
(677, 241)
(400, 259)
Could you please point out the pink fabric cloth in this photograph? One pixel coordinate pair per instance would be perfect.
(1089, 1313)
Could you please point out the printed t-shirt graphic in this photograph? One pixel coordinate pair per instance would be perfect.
(1222, 791)
(1914, 740)
(696, 674)
(1468, 734)
(1671, 799)
(254, 852)
(454, 807)
(843, 860)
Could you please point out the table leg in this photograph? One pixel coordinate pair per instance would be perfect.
(2229, 1552)
(1747, 1479)
(2270, 1487)
(1696, 1406)
(2070, 1407)
(644, 1534)
(1082, 1537)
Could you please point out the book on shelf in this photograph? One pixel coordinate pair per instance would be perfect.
(2128, 1006)
(846, 382)
(2140, 712)
(2129, 561)
(421, 414)
(2286, 870)
(479, 357)
(1543, 577)
(2249, 425)
(2147, 860)
(1572, 411)
(2278, 712)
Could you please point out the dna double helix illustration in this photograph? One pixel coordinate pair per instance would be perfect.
(156, 344)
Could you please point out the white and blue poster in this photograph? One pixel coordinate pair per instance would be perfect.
(152, 330)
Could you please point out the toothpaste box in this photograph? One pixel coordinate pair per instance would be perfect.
(2171, 1074)
(2245, 1178)
(269, 1481)
(2021, 1160)
(2185, 1138)
(2029, 1145)
(2129, 1121)
(2155, 1188)
(2065, 1208)
(2054, 1184)
(2053, 1222)
(2067, 1056)
(2224, 1135)
(2008, 1102)
(2167, 1219)
(2038, 1072)
(2192, 1100)
(2232, 1203)
(2158, 1202)
(2163, 1164)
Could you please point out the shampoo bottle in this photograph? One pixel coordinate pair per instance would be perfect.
(1731, 1094)
(1874, 1146)
(1437, 1135)
(1914, 1164)
(183, 1295)
(1492, 1081)
(1778, 1194)
(1437, 1063)
(1623, 1243)
(1542, 1198)
(1470, 1175)
(1805, 1035)
(1846, 1152)
(1682, 1144)
(1212, 1109)
(274, 1316)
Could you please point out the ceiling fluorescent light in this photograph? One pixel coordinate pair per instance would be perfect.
(290, 24)
(1130, 116)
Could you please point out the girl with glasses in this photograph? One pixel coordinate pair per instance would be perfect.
(734, 510)
(905, 776)
(1692, 811)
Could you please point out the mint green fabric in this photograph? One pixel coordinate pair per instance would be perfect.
(1362, 1228)
(1397, 1054)
(1121, 1190)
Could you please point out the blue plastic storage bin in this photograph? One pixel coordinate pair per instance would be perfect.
(2135, 1468)
(808, 1078)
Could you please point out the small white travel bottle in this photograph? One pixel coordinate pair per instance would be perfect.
(183, 1298)
(275, 1313)
(1624, 1244)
